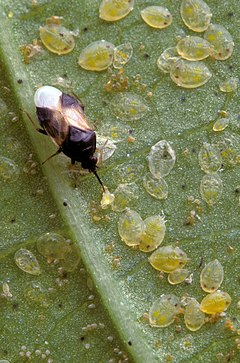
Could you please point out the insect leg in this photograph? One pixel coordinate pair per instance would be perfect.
(100, 159)
(31, 120)
(51, 156)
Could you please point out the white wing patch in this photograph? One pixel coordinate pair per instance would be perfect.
(48, 97)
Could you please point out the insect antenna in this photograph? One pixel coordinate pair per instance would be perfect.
(95, 173)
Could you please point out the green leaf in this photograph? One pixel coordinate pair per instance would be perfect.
(48, 313)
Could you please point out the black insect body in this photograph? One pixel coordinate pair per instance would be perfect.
(62, 117)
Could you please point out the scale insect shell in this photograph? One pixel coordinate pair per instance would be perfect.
(62, 117)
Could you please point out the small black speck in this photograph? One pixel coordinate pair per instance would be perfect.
(230, 67)
(201, 262)
(15, 306)
(237, 190)
(231, 13)
(13, 220)
(65, 203)
(85, 29)
(64, 274)
(194, 150)
(131, 131)
(82, 339)
(183, 98)
(183, 186)
(146, 55)
(130, 343)
(19, 81)
(60, 305)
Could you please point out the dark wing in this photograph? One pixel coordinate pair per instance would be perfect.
(54, 123)
(73, 112)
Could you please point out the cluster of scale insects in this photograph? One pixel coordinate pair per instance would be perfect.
(183, 63)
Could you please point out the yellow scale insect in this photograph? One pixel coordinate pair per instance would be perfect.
(55, 37)
(113, 10)
(221, 124)
(164, 311)
(157, 17)
(168, 259)
(153, 235)
(193, 48)
(196, 14)
(215, 303)
(97, 56)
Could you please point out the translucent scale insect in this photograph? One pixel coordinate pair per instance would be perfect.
(156, 187)
(55, 248)
(196, 14)
(97, 56)
(230, 85)
(209, 158)
(178, 276)
(211, 276)
(113, 10)
(9, 171)
(123, 195)
(211, 188)
(157, 16)
(193, 48)
(130, 227)
(221, 41)
(62, 117)
(128, 106)
(161, 159)
(122, 54)
(167, 59)
(164, 310)
(27, 262)
(194, 318)
(189, 74)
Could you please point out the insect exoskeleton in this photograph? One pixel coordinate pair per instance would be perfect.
(62, 117)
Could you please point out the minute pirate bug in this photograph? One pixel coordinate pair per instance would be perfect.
(62, 117)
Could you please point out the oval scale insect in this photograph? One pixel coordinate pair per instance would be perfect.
(62, 117)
